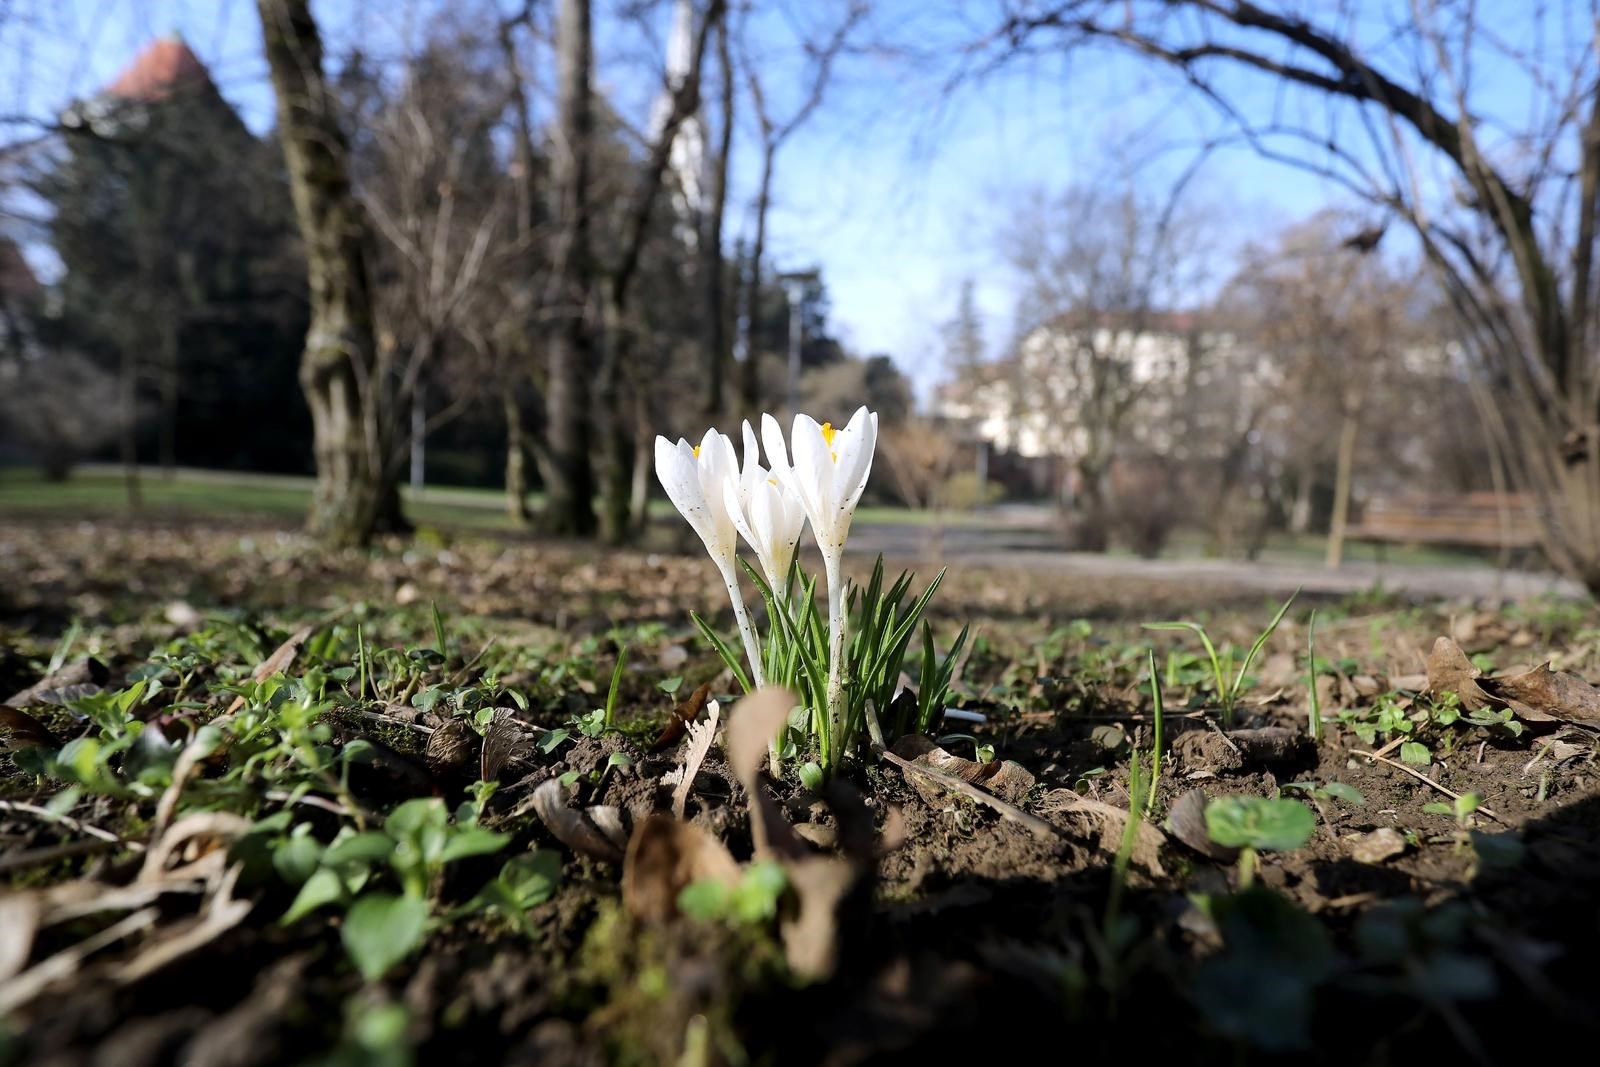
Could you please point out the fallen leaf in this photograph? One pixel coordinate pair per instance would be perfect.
(505, 740)
(701, 736)
(810, 931)
(596, 832)
(19, 922)
(1186, 821)
(276, 663)
(1449, 671)
(20, 730)
(449, 750)
(83, 678)
(1543, 694)
(752, 724)
(665, 855)
(1006, 779)
(682, 715)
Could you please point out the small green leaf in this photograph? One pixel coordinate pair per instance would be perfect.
(473, 842)
(296, 858)
(1438, 808)
(670, 685)
(319, 890)
(550, 740)
(412, 817)
(1268, 824)
(755, 898)
(1347, 793)
(705, 900)
(368, 847)
(381, 930)
(1415, 753)
(811, 775)
(532, 878)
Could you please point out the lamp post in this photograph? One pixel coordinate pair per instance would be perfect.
(795, 284)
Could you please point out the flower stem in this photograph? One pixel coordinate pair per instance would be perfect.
(835, 717)
(747, 633)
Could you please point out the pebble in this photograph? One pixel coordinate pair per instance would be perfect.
(1379, 845)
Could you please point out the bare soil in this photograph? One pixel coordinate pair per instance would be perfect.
(978, 937)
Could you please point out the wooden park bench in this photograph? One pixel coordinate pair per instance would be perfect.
(1482, 520)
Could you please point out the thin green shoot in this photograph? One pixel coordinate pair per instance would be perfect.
(1227, 681)
(1311, 678)
(438, 630)
(361, 657)
(1157, 712)
(616, 683)
(59, 656)
(1138, 790)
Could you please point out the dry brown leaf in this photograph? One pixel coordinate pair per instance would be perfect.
(701, 736)
(596, 832)
(664, 856)
(1543, 694)
(1187, 822)
(1449, 671)
(276, 663)
(810, 932)
(19, 922)
(504, 740)
(222, 913)
(82, 678)
(29, 984)
(752, 724)
(18, 729)
(449, 751)
(1006, 779)
(682, 715)
(199, 840)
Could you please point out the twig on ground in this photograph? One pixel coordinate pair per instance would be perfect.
(16, 861)
(1419, 776)
(1010, 811)
(70, 823)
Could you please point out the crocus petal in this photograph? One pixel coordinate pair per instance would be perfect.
(751, 471)
(738, 505)
(777, 453)
(860, 441)
(680, 477)
(813, 476)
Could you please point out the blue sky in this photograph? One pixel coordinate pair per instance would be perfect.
(896, 188)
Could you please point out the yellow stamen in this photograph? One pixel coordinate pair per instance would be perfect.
(696, 451)
(827, 434)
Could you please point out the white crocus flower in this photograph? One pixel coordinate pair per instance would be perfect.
(828, 474)
(767, 514)
(695, 477)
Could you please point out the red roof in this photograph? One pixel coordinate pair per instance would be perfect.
(165, 64)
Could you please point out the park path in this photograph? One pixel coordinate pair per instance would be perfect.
(1024, 540)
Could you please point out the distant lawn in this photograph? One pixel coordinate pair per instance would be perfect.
(98, 491)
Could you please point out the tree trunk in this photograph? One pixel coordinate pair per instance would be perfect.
(751, 371)
(643, 462)
(1341, 490)
(167, 438)
(569, 472)
(617, 447)
(711, 267)
(356, 491)
(1092, 530)
(516, 459)
(128, 400)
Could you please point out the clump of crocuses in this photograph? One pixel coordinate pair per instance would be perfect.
(816, 476)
